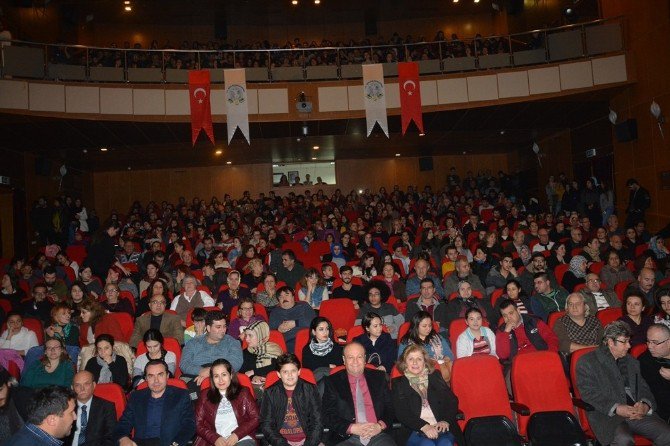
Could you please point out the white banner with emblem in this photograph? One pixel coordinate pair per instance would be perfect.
(237, 107)
(374, 96)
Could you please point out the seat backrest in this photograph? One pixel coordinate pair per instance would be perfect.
(301, 340)
(127, 325)
(36, 326)
(479, 384)
(560, 271)
(319, 247)
(539, 382)
(608, 315)
(581, 413)
(620, 287)
(278, 338)
(340, 312)
(554, 317)
(169, 344)
(189, 318)
(113, 393)
(497, 294)
(637, 350)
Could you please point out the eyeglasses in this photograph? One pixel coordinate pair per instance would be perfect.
(594, 280)
(653, 342)
(622, 341)
(158, 302)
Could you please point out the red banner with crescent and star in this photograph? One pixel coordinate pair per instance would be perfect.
(410, 95)
(201, 110)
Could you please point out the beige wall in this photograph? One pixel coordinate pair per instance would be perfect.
(118, 190)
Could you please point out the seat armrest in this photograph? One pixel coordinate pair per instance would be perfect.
(519, 408)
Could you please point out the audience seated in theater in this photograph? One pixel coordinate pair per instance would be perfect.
(291, 270)
(96, 417)
(268, 297)
(597, 298)
(113, 303)
(422, 332)
(578, 328)
(634, 314)
(463, 272)
(428, 300)
(54, 368)
(10, 417)
(546, 299)
(246, 315)
(357, 407)
(290, 316)
(477, 339)
(423, 402)
(62, 326)
(260, 355)
(153, 342)
(421, 271)
(291, 408)
(538, 264)
(645, 284)
(322, 353)
(655, 367)
(200, 352)
(522, 333)
(198, 328)
(39, 306)
(380, 348)
(377, 296)
(348, 289)
(17, 337)
(499, 276)
(609, 379)
(229, 297)
(160, 414)
(457, 307)
(190, 298)
(96, 322)
(313, 289)
(157, 318)
(226, 413)
(106, 366)
(662, 309)
(517, 295)
(614, 271)
(11, 291)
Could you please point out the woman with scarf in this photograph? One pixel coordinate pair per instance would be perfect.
(62, 326)
(268, 295)
(662, 310)
(260, 355)
(423, 402)
(322, 353)
(661, 253)
(592, 249)
(421, 332)
(337, 255)
(106, 366)
(576, 274)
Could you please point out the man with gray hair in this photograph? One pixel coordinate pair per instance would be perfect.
(190, 298)
(595, 297)
(609, 379)
(655, 367)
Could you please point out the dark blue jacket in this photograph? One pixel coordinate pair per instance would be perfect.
(178, 417)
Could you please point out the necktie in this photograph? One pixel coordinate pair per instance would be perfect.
(84, 422)
(360, 403)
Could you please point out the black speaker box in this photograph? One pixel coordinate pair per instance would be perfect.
(425, 163)
(626, 131)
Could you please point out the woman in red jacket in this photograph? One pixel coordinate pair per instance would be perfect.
(226, 414)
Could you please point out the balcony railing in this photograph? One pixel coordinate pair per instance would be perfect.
(94, 64)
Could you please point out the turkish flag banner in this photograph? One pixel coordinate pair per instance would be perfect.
(410, 95)
(201, 110)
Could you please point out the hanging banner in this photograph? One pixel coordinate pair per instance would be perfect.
(201, 110)
(410, 95)
(237, 106)
(374, 96)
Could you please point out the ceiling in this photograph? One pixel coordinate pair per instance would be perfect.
(146, 145)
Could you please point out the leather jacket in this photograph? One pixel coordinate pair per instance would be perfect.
(246, 413)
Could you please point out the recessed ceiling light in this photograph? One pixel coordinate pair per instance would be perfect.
(455, 1)
(476, 1)
(229, 162)
(315, 147)
(219, 152)
(502, 132)
(317, 2)
(313, 158)
(128, 8)
(103, 149)
(126, 2)
(332, 162)
(294, 2)
(397, 154)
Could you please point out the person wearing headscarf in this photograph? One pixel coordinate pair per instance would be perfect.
(337, 255)
(576, 274)
(260, 354)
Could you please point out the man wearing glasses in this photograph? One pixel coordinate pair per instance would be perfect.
(595, 297)
(167, 323)
(655, 367)
(609, 379)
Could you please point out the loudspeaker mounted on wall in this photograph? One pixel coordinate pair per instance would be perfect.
(425, 163)
(626, 131)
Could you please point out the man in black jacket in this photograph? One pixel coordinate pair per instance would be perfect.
(96, 417)
(357, 405)
(639, 201)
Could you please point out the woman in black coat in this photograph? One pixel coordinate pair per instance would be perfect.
(419, 387)
(106, 366)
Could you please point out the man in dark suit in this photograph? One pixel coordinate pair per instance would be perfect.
(96, 417)
(161, 415)
(357, 405)
(609, 379)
